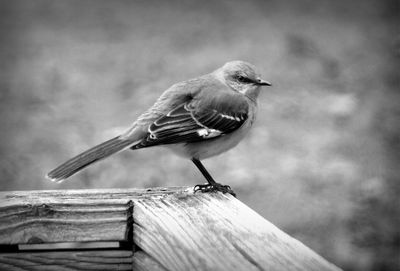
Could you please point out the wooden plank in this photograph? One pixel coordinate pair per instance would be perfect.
(28, 217)
(10, 198)
(67, 260)
(213, 231)
(175, 229)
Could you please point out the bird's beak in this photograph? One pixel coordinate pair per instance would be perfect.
(262, 82)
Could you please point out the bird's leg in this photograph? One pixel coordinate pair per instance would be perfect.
(212, 185)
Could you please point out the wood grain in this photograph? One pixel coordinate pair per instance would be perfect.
(67, 260)
(28, 217)
(143, 262)
(216, 232)
(174, 229)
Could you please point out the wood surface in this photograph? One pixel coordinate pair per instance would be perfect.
(213, 231)
(143, 262)
(28, 217)
(67, 260)
(172, 229)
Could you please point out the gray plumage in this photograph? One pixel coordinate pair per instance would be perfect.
(197, 119)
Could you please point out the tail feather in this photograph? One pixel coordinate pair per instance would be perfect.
(88, 157)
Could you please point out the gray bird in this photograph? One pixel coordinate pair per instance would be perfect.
(197, 119)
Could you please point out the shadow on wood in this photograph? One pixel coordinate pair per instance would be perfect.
(161, 229)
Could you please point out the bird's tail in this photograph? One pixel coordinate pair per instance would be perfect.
(88, 157)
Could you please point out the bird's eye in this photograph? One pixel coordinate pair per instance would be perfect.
(243, 79)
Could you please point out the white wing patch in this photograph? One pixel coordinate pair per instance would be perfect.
(208, 133)
(230, 117)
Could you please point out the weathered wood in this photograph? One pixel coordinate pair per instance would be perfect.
(68, 215)
(67, 260)
(216, 232)
(174, 229)
(143, 262)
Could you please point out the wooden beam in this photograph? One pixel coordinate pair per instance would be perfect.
(67, 260)
(213, 231)
(174, 229)
(28, 217)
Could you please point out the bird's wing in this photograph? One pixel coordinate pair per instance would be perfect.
(195, 121)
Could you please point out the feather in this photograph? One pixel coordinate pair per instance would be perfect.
(190, 122)
(88, 157)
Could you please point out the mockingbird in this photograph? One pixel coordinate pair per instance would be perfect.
(196, 119)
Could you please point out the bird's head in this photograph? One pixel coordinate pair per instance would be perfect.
(242, 77)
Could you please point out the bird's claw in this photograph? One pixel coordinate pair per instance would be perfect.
(214, 188)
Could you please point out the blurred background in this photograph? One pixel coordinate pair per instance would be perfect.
(322, 162)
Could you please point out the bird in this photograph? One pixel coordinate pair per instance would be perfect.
(197, 119)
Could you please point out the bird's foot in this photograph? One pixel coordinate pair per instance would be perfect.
(213, 188)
